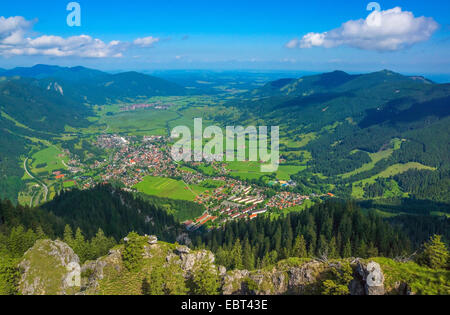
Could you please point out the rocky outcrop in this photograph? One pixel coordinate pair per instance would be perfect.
(233, 282)
(94, 270)
(369, 279)
(189, 259)
(280, 280)
(50, 268)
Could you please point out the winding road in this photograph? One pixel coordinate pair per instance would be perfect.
(36, 179)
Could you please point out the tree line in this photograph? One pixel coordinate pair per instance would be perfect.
(331, 229)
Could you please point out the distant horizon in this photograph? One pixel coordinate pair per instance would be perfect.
(440, 78)
(410, 37)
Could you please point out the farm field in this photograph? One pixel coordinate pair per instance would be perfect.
(150, 122)
(169, 188)
(153, 121)
(252, 170)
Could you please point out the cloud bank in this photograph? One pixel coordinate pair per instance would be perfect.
(16, 41)
(389, 30)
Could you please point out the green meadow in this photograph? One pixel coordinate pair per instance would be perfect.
(392, 170)
(169, 188)
(252, 170)
(48, 160)
(376, 157)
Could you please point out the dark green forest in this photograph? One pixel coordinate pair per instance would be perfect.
(329, 230)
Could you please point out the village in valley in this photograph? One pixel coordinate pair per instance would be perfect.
(140, 161)
(130, 161)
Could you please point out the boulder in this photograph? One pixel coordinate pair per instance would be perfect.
(152, 240)
(188, 261)
(50, 268)
(182, 250)
(368, 276)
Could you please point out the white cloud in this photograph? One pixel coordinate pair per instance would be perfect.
(16, 41)
(146, 41)
(388, 30)
(293, 43)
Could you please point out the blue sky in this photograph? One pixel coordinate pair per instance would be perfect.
(246, 34)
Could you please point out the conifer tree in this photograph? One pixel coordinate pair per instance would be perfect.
(372, 251)
(100, 245)
(236, 255)
(323, 246)
(80, 246)
(362, 249)
(435, 254)
(205, 280)
(332, 249)
(248, 257)
(299, 249)
(40, 234)
(347, 251)
(133, 251)
(174, 282)
(68, 235)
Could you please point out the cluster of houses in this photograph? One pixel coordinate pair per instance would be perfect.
(233, 201)
(132, 161)
(283, 183)
(285, 200)
(111, 141)
(157, 105)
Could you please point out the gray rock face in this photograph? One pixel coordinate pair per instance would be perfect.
(95, 270)
(222, 271)
(182, 250)
(299, 277)
(369, 279)
(184, 238)
(273, 282)
(50, 268)
(233, 282)
(188, 261)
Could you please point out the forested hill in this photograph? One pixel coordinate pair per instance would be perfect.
(97, 87)
(39, 103)
(360, 129)
(114, 211)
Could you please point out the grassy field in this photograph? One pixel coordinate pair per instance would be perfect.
(252, 170)
(18, 124)
(153, 121)
(50, 157)
(169, 188)
(422, 280)
(392, 170)
(150, 122)
(376, 157)
(301, 142)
